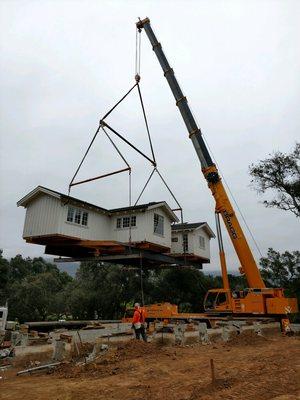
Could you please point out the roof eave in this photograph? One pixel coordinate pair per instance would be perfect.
(34, 193)
(205, 226)
(208, 229)
(167, 208)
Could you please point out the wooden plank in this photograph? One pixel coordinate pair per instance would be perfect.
(98, 243)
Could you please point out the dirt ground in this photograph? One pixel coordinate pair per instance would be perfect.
(247, 367)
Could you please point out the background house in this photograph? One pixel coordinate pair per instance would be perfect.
(193, 239)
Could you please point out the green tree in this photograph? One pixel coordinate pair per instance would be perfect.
(4, 277)
(33, 288)
(282, 270)
(281, 174)
(184, 287)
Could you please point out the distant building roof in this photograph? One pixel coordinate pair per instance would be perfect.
(192, 226)
(140, 207)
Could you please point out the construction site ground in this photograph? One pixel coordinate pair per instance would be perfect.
(246, 367)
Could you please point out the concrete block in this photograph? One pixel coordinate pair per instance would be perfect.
(203, 333)
(59, 350)
(179, 331)
(257, 328)
(226, 330)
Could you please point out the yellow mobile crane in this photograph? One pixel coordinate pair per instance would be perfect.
(257, 299)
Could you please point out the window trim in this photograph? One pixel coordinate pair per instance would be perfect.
(71, 216)
(86, 220)
(185, 242)
(127, 225)
(120, 222)
(161, 219)
(202, 246)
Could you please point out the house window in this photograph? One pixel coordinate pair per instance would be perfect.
(84, 220)
(202, 242)
(70, 216)
(174, 239)
(158, 224)
(185, 243)
(133, 220)
(77, 216)
(126, 222)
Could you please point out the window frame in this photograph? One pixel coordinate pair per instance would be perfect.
(131, 221)
(70, 214)
(77, 216)
(84, 218)
(185, 242)
(127, 225)
(159, 226)
(202, 242)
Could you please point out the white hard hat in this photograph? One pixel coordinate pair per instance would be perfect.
(136, 304)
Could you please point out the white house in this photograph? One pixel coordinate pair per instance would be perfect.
(53, 217)
(71, 227)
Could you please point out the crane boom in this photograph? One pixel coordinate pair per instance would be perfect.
(209, 169)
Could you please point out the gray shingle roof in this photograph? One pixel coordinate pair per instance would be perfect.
(137, 207)
(66, 198)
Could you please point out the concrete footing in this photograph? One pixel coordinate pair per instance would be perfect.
(59, 351)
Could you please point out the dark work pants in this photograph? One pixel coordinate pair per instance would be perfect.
(140, 332)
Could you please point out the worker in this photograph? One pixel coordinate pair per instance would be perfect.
(139, 322)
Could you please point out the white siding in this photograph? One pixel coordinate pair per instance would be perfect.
(47, 215)
(193, 243)
(152, 237)
(177, 247)
(98, 227)
(144, 230)
(42, 216)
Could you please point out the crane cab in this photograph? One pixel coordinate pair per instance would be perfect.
(218, 300)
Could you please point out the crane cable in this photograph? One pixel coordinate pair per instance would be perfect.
(229, 190)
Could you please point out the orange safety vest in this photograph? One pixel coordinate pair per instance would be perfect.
(139, 316)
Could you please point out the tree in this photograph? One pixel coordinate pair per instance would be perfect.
(282, 270)
(4, 276)
(33, 288)
(279, 173)
(184, 287)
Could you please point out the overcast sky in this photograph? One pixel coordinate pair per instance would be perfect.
(65, 63)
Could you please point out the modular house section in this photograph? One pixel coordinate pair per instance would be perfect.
(144, 223)
(71, 227)
(51, 214)
(55, 220)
